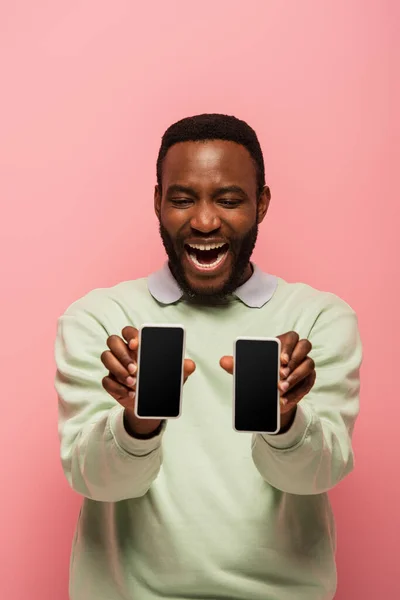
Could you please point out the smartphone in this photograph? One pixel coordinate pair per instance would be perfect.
(160, 372)
(256, 407)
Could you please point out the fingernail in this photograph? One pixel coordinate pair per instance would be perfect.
(284, 401)
(285, 372)
(285, 357)
(132, 395)
(284, 385)
(132, 368)
(130, 381)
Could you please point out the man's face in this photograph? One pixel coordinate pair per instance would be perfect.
(209, 214)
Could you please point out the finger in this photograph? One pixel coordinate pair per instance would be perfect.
(122, 353)
(300, 373)
(299, 391)
(114, 366)
(303, 347)
(130, 333)
(133, 344)
(288, 343)
(189, 367)
(131, 336)
(119, 392)
(227, 364)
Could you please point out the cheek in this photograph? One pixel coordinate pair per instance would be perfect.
(240, 225)
(174, 222)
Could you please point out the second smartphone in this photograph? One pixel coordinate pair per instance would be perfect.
(160, 372)
(256, 406)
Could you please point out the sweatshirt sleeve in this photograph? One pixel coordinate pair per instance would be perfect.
(316, 453)
(100, 459)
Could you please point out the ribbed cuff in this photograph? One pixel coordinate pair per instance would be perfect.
(132, 445)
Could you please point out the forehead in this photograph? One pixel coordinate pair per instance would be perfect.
(213, 161)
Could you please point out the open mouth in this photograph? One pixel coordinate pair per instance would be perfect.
(207, 256)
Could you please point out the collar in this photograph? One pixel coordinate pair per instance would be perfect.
(256, 292)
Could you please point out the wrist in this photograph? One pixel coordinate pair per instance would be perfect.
(287, 420)
(140, 428)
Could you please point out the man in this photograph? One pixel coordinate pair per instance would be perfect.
(190, 508)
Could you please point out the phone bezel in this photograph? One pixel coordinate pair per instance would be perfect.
(160, 325)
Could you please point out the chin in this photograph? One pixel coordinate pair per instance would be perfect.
(208, 290)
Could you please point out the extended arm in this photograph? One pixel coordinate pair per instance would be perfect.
(316, 453)
(99, 458)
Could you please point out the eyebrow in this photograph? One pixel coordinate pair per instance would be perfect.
(235, 189)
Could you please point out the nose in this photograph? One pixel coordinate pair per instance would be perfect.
(205, 219)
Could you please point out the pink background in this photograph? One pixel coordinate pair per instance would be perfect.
(88, 88)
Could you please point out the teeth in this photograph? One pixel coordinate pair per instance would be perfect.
(212, 265)
(205, 246)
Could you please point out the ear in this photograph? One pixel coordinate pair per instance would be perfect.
(157, 202)
(263, 204)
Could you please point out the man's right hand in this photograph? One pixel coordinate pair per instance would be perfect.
(120, 383)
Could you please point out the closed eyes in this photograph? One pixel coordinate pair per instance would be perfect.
(225, 202)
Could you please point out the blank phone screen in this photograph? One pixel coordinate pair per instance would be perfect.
(160, 372)
(256, 402)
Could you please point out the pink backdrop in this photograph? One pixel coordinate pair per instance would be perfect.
(87, 91)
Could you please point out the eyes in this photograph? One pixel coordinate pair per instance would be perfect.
(187, 202)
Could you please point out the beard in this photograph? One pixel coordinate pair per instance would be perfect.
(241, 249)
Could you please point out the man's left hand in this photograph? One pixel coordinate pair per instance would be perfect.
(297, 373)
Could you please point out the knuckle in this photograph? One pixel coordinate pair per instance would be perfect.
(122, 392)
(125, 360)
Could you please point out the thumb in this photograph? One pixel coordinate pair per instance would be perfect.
(226, 363)
(189, 368)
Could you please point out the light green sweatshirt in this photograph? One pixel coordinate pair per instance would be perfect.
(201, 511)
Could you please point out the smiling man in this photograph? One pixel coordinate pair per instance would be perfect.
(189, 508)
(209, 224)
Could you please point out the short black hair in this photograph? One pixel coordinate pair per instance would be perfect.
(213, 126)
